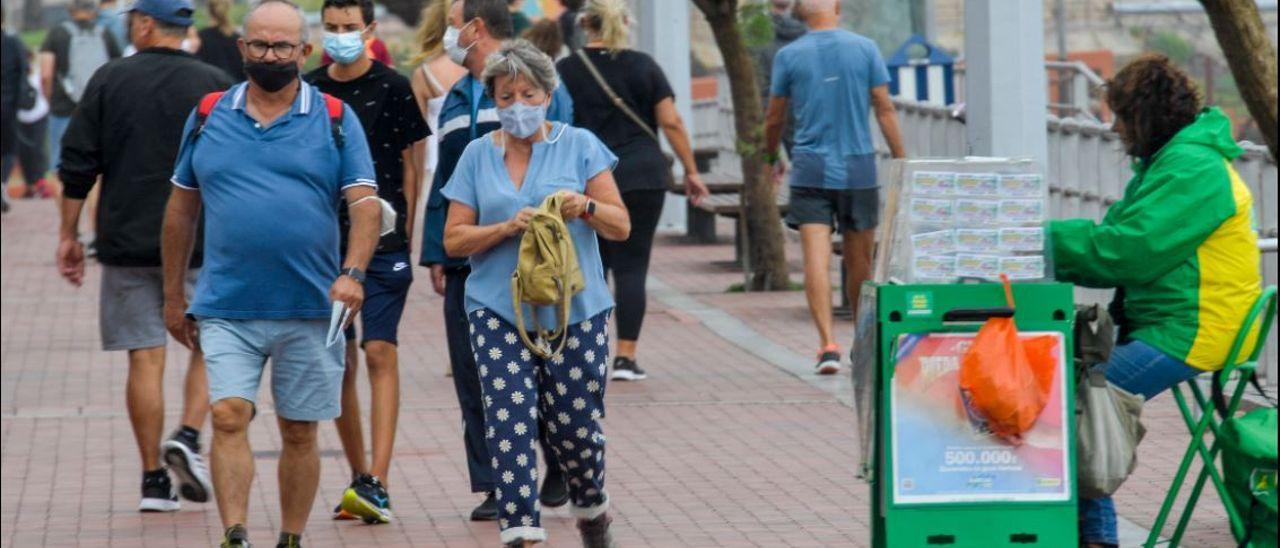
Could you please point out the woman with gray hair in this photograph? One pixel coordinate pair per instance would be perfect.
(500, 178)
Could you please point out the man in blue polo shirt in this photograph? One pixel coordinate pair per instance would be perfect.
(270, 172)
(476, 29)
(830, 79)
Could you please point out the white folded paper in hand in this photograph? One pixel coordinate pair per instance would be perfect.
(337, 322)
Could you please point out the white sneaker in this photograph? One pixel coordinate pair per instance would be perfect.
(190, 470)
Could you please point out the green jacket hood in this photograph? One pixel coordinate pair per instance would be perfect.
(1211, 129)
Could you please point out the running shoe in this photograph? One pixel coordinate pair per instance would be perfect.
(342, 515)
(626, 369)
(158, 494)
(289, 540)
(368, 500)
(182, 455)
(236, 537)
(828, 360)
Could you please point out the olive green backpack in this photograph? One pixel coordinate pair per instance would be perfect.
(547, 274)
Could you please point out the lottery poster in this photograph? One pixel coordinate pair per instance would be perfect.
(943, 453)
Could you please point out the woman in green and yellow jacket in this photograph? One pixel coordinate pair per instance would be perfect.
(1181, 245)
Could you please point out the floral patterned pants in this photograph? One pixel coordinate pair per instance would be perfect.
(522, 393)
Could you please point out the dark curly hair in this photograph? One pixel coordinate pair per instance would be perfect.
(1152, 100)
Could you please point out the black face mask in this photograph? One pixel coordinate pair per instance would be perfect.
(271, 77)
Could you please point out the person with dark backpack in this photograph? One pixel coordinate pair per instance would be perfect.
(13, 72)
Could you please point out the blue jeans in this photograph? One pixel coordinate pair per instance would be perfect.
(1141, 369)
(57, 128)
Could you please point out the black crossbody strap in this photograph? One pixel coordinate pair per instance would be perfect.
(613, 97)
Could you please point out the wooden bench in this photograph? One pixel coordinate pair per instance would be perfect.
(702, 217)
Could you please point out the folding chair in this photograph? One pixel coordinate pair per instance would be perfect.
(1266, 307)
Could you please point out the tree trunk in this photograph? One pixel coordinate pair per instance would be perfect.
(766, 256)
(409, 11)
(1252, 59)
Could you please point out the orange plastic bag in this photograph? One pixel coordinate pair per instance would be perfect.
(1005, 379)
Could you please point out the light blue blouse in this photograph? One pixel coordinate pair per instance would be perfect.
(566, 160)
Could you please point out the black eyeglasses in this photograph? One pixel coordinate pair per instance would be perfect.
(258, 49)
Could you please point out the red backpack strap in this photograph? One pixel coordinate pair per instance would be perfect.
(335, 107)
(204, 109)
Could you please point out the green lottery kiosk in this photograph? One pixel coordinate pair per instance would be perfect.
(938, 476)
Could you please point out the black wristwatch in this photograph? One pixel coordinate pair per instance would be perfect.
(354, 273)
(590, 211)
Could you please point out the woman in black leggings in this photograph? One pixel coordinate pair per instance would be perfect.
(642, 172)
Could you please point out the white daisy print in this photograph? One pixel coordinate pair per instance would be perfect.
(502, 523)
(492, 324)
(579, 404)
(484, 371)
(557, 358)
(595, 414)
(586, 454)
(551, 400)
(508, 477)
(510, 338)
(495, 354)
(502, 414)
(522, 460)
(511, 507)
(488, 401)
(517, 398)
(567, 444)
(499, 383)
(480, 340)
(533, 412)
(521, 429)
(479, 313)
(573, 343)
(533, 474)
(582, 433)
(513, 367)
(495, 464)
(575, 373)
(551, 427)
(571, 464)
(563, 418)
(561, 388)
(601, 369)
(497, 493)
(528, 383)
(473, 329)
(601, 339)
(504, 446)
(589, 355)
(593, 386)
(586, 326)
(490, 435)
(526, 521)
(591, 492)
(525, 491)
(525, 355)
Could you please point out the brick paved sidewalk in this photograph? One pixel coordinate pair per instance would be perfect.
(719, 448)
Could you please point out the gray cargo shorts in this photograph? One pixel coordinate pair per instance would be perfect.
(131, 306)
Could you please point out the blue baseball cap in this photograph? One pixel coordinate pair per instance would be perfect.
(174, 12)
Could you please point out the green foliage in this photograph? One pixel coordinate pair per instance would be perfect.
(754, 23)
(1172, 46)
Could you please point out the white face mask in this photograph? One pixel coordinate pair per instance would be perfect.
(457, 53)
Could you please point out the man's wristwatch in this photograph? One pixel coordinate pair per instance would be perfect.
(354, 273)
(590, 211)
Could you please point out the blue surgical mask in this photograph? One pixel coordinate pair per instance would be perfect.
(521, 119)
(345, 48)
(455, 51)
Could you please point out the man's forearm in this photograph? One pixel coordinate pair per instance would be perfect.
(772, 134)
(888, 120)
(176, 244)
(69, 229)
(362, 237)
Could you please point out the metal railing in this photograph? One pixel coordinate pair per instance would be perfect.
(1087, 169)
